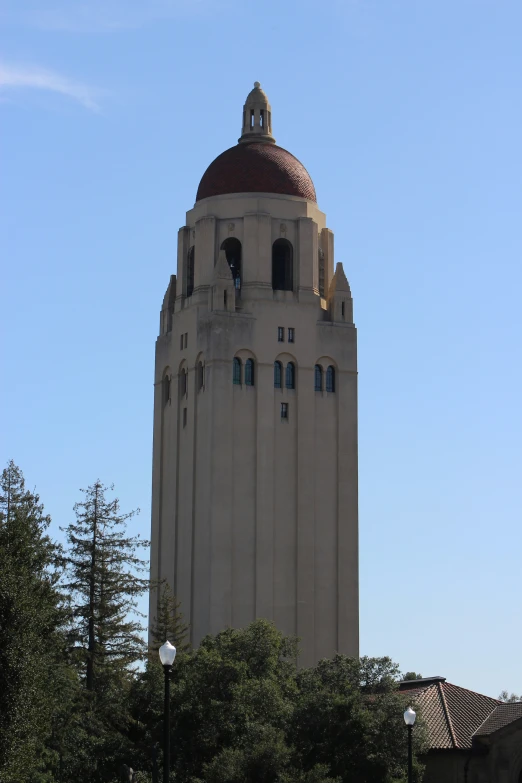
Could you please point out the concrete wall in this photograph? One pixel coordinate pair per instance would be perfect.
(254, 516)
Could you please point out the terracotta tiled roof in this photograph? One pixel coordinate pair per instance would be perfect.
(452, 714)
(500, 717)
(256, 167)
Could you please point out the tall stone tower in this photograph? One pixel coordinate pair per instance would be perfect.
(254, 501)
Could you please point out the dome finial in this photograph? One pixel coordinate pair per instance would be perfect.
(257, 117)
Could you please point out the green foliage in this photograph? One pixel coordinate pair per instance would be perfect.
(411, 676)
(102, 566)
(168, 624)
(32, 651)
(235, 685)
(73, 705)
(349, 716)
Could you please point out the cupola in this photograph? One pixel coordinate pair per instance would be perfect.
(257, 117)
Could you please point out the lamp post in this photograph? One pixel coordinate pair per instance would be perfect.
(167, 653)
(409, 720)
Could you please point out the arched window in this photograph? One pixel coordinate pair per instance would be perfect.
(321, 272)
(166, 390)
(282, 265)
(278, 375)
(249, 372)
(232, 248)
(290, 375)
(183, 383)
(330, 379)
(190, 271)
(201, 376)
(318, 377)
(236, 372)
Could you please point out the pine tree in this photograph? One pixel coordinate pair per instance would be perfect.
(168, 624)
(32, 641)
(102, 566)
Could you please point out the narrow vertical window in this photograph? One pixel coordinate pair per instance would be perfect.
(190, 271)
(318, 378)
(236, 372)
(201, 376)
(184, 417)
(252, 118)
(284, 410)
(290, 375)
(181, 342)
(280, 334)
(330, 379)
(224, 300)
(278, 375)
(249, 372)
(291, 334)
(261, 117)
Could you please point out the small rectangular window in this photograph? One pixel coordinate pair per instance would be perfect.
(284, 410)
(184, 417)
(342, 309)
(291, 334)
(181, 342)
(186, 339)
(280, 334)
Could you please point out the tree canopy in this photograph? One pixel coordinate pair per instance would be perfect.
(79, 696)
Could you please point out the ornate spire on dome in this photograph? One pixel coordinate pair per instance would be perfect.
(257, 117)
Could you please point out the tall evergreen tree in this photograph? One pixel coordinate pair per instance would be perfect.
(103, 567)
(168, 622)
(32, 642)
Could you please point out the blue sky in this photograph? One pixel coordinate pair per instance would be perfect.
(407, 114)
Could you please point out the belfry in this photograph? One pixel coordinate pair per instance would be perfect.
(254, 494)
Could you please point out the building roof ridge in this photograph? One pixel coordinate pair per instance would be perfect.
(447, 713)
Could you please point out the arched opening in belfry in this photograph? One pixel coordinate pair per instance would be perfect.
(282, 265)
(232, 248)
(190, 271)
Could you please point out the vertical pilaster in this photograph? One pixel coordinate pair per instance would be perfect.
(205, 251)
(157, 490)
(304, 273)
(257, 255)
(265, 494)
(181, 277)
(221, 493)
(306, 489)
(327, 244)
(348, 548)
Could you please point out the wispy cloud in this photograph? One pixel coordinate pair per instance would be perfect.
(35, 77)
(103, 15)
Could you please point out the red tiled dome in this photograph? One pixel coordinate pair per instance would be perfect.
(256, 167)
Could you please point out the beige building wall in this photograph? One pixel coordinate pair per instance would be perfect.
(255, 516)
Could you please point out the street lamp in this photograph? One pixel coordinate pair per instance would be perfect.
(167, 653)
(409, 720)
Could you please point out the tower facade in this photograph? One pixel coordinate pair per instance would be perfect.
(254, 501)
